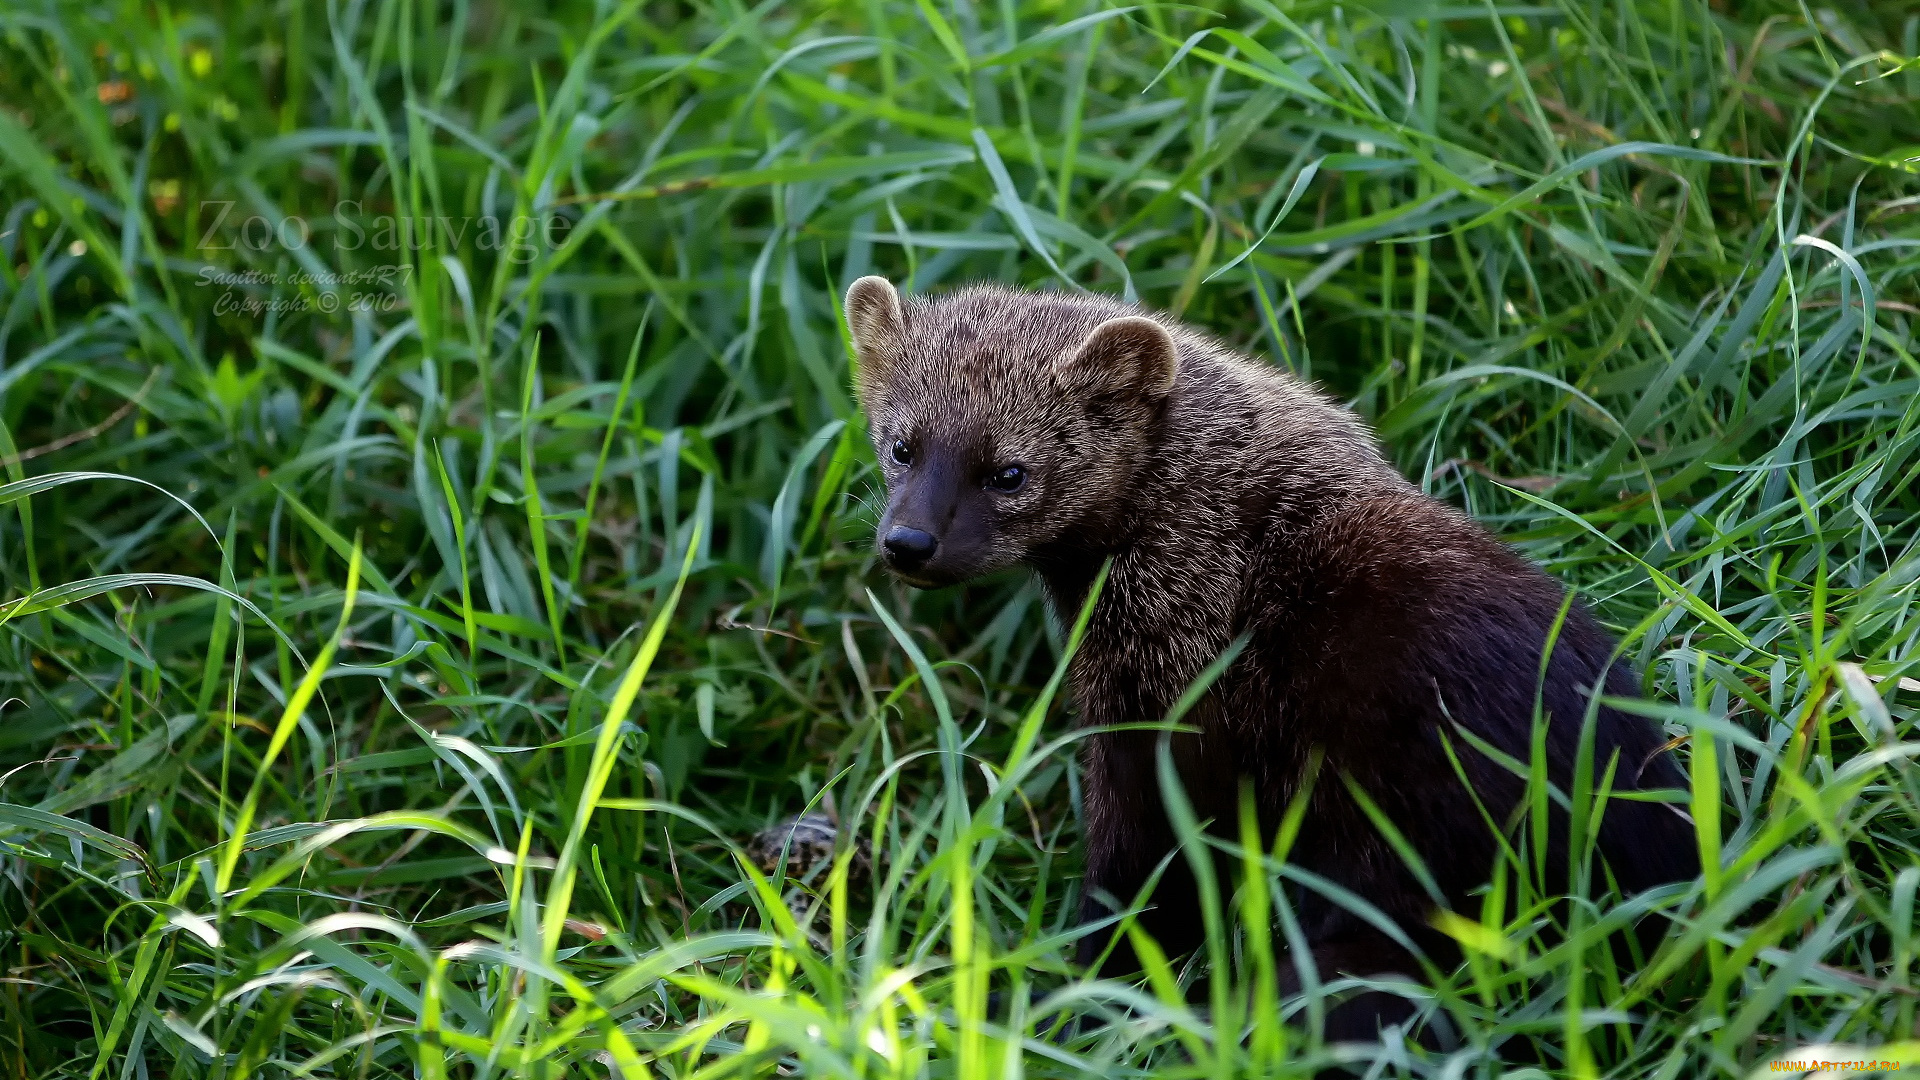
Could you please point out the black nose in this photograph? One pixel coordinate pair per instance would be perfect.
(907, 548)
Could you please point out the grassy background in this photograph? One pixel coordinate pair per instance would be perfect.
(406, 628)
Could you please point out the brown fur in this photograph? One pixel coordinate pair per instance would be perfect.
(1235, 499)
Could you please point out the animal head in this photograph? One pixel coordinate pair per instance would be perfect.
(1005, 422)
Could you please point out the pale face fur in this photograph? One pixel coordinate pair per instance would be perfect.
(1063, 390)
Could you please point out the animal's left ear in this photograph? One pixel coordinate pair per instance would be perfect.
(1132, 352)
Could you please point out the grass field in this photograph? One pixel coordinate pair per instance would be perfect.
(436, 528)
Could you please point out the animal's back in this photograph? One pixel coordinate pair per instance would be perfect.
(1388, 635)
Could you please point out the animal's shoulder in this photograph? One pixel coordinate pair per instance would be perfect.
(1402, 580)
(1414, 549)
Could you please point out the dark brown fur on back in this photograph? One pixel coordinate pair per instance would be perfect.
(1234, 499)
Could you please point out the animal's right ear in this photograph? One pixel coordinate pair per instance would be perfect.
(878, 328)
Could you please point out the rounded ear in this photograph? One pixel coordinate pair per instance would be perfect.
(878, 328)
(1132, 351)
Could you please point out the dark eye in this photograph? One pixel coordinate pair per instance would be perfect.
(1009, 479)
(902, 453)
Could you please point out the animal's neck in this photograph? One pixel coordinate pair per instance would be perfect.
(1238, 455)
(1206, 483)
(1067, 579)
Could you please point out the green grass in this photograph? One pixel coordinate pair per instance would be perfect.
(396, 663)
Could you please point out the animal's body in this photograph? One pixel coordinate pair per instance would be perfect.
(1234, 499)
